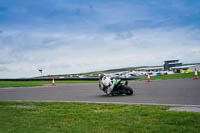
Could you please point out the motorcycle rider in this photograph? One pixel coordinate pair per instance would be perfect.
(106, 83)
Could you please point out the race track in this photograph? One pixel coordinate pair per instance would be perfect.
(178, 92)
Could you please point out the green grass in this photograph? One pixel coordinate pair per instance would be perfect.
(54, 117)
(37, 83)
(172, 76)
(21, 83)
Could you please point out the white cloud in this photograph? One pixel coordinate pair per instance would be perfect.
(24, 52)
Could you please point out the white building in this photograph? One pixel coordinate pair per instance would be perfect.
(151, 69)
(186, 68)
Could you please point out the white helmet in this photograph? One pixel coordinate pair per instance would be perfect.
(106, 81)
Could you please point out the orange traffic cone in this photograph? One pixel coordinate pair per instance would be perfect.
(196, 74)
(53, 82)
(148, 78)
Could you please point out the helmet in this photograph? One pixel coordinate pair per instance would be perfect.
(106, 80)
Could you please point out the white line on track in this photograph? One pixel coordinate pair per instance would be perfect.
(155, 104)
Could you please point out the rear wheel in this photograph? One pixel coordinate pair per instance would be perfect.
(128, 90)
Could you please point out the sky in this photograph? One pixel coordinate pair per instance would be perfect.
(75, 36)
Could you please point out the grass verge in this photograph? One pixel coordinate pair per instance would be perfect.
(4, 84)
(53, 117)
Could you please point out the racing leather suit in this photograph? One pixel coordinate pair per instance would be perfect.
(106, 84)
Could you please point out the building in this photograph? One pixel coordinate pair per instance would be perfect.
(151, 69)
(171, 63)
(186, 68)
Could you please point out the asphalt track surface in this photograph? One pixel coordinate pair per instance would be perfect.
(168, 92)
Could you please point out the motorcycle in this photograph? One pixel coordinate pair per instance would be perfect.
(121, 88)
(118, 87)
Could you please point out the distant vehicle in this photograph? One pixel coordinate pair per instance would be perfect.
(82, 76)
(138, 73)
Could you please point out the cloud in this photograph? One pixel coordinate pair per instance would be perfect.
(80, 36)
(111, 15)
(63, 52)
(3, 69)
